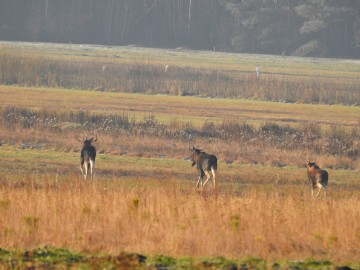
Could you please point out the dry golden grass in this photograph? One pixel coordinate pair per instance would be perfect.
(167, 108)
(142, 203)
(166, 217)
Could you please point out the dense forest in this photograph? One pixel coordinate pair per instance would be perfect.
(322, 28)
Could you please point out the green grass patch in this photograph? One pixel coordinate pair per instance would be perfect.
(44, 166)
(49, 257)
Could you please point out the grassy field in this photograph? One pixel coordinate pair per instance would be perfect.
(187, 109)
(205, 74)
(296, 66)
(150, 206)
(143, 198)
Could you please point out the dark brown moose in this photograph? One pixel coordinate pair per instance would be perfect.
(87, 156)
(318, 178)
(205, 163)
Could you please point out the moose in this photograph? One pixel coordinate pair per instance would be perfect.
(317, 177)
(87, 156)
(205, 163)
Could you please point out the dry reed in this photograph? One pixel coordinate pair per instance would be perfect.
(153, 217)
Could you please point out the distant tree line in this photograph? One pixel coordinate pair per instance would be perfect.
(324, 28)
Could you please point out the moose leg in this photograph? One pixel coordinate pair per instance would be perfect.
(207, 177)
(200, 173)
(314, 185)
(89, 169)
(319, 186)
(86, 169)
(92, 164)
(214, 176)
(81, 166)
(201, 177)
(198, 182)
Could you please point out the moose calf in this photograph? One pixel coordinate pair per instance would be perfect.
(317, 177)
(87, 156)
(205, 164)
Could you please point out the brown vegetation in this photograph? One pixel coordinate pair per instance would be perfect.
(234, 141)
(144, 77)
(168, 219)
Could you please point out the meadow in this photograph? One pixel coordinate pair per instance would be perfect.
(143, 198)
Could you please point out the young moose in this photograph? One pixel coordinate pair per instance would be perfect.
(317, 177)
(205, 164)
(87, 156)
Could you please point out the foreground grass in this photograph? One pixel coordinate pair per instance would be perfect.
(176, 222)
(141, 205)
